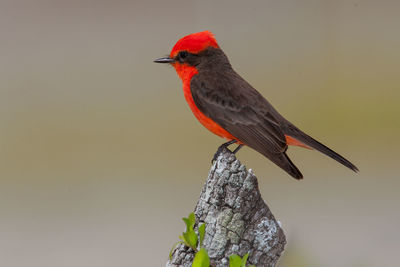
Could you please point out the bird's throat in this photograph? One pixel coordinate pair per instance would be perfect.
(185, 72)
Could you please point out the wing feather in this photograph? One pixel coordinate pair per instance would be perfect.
(240, 109)
(237, 107)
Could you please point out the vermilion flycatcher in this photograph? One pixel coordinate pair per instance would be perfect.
(231, 108)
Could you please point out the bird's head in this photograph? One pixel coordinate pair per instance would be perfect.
(190, 51)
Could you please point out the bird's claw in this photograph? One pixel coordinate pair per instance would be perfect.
(221, 148)
(218, 152)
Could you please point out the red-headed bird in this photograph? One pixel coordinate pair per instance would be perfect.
(231, 108)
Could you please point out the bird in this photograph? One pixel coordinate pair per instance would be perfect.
(231, 108)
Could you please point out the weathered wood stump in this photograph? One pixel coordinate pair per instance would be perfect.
(237, 219)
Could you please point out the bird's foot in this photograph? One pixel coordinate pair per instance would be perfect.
(222, 147)
(218, 152)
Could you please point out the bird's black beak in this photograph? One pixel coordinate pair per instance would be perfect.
(164, 60)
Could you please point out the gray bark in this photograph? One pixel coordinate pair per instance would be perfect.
(237, 219)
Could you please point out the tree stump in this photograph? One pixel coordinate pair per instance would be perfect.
(237, 219)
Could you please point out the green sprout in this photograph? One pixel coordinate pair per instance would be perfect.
(201, 259)
(189, 237)
(193, 240)
(237, 261)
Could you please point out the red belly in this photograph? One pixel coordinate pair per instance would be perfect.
(203, 119)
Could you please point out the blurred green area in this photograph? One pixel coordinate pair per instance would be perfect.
(98, 148)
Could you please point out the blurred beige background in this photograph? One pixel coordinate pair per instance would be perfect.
(100, 156)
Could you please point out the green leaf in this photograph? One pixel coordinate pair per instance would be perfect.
(190, 239)
(244, 260)
(202, 232)
(192, 219)
(201, 259)
(189, 221)
(235, 261)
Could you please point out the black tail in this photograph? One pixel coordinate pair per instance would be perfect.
(290, 168)
(296, 133)
(283, 161)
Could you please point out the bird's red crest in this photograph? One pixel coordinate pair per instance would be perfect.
(195, 43)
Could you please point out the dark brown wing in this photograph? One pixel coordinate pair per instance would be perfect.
(237, 107)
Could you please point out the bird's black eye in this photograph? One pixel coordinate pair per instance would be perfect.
(183, 54)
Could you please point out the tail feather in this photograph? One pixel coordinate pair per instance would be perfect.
(283, 161)
(290, 168)
(296, 133)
